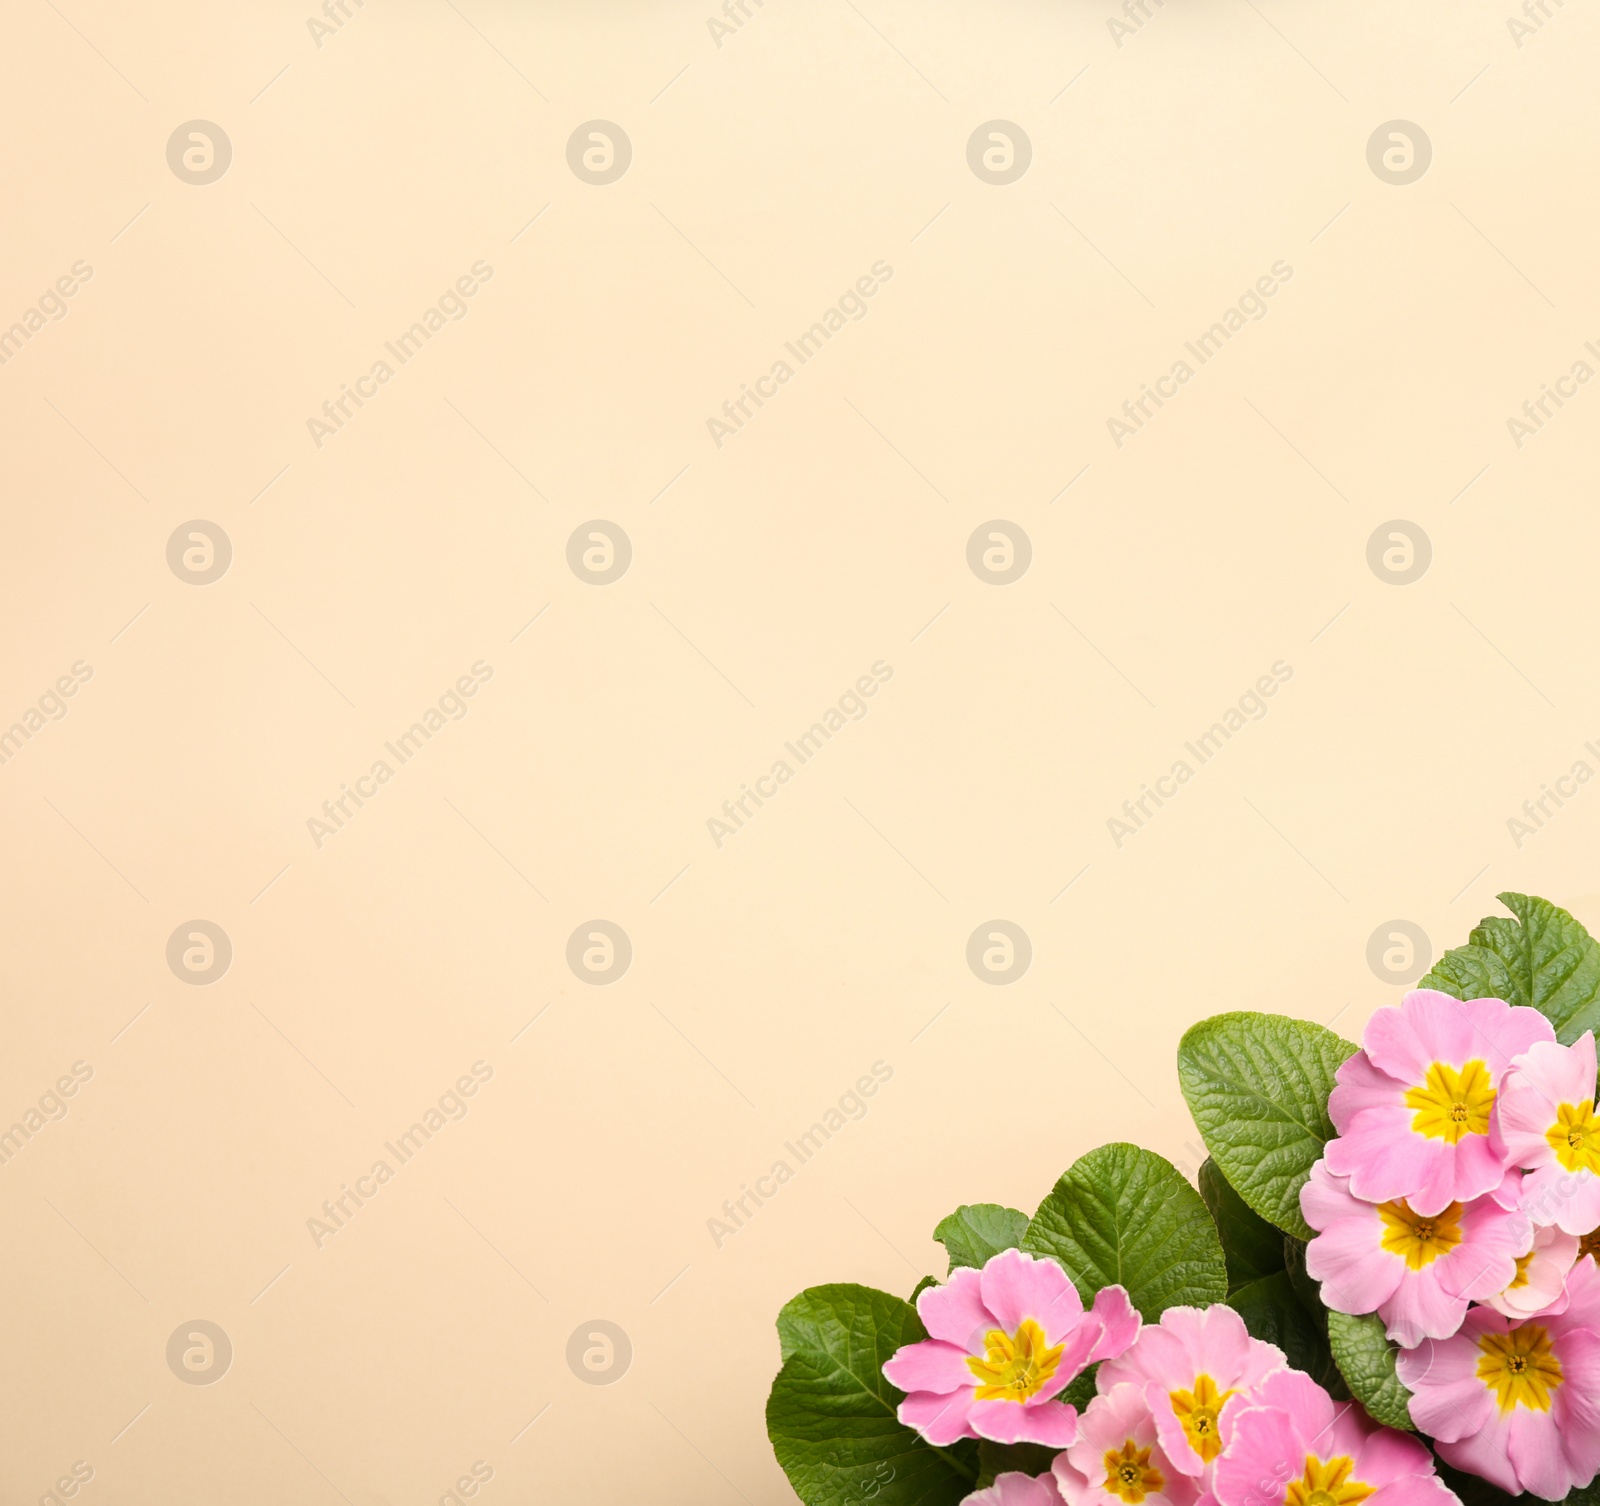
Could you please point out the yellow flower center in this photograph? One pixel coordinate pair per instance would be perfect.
(1419, 1241)
(1198, 1411)
(1575, 1136)
(1520, 1280)
(1014, 1366)
(1519, 1367)
(1130, 1476)
(1452, 1104)
(1327, 1483)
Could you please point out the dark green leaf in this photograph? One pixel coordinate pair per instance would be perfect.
(976, 1231)
(1124, 1216)
(1309, 1296)
(1544, 958)
(1253, 1247)
(1082, 1391)
(1258, 1085)
(1476, 1491)
(921, 1287)
(1272, 1311)
(1366, 1356)
(831, 1413)
(996, 1458)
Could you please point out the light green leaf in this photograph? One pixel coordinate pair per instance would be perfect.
(1258, 1085)
(1365, 1356)
(1544, 958)
(831, 1413)
(1253, 1247)
(1124, 1216)
(976, 1231)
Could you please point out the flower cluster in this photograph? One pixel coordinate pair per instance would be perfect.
(1460, 1202)
(1414, 1220)
(1187, 1410)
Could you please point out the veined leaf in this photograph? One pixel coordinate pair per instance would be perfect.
(831, 1412)
(1123, 1216)
(1258, 1086)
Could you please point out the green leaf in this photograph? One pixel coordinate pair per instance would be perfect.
(1080, 1392)
(1476, 1491)
(1123, 1215)
(976, 1231)
(921, 1287)
(1366, 1355)
(1272, 1311)
(996, 1458)
(831, 1413)
(1252, 1246)
(1544, 958)
(1258, 1085)
(1309, 1294)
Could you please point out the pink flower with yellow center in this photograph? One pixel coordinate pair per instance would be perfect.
(1415, 1106)
(1516, 1402)
(1418, 1272)
(1296, 1447)
(1118, 1459)
(1540, 1285)
(1548, 1122)
(1003, 1343)
(1013, 1488)
(1187, 1367)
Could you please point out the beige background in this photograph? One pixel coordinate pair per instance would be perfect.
(1168, 173)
